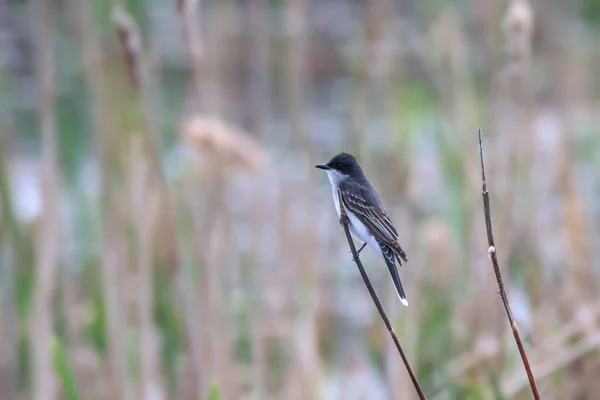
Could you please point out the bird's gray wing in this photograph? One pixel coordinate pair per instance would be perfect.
(367, 207)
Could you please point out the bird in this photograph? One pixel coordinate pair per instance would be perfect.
(368, 220)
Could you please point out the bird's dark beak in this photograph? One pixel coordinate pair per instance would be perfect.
(322, 166)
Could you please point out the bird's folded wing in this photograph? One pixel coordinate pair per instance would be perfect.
(367, 208)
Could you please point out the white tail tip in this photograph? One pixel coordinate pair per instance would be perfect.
(403, 301)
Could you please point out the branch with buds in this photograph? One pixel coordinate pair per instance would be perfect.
(501, 290)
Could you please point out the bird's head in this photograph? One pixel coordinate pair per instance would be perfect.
(340, 167)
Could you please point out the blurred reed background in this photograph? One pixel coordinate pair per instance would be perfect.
(164, 234)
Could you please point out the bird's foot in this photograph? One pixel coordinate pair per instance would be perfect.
(359, 250)
(362, 247)
(344, 220)
(355, 258)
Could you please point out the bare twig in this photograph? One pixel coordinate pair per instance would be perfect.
(386, 321)
(501, 290)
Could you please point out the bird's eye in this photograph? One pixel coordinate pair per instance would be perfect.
(339, 166)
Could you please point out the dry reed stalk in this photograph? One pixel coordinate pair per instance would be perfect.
(310, 369)
(258, 117)
(211, 305)
(494, 258)
(258, 112)
(217, 28)
(9, 257)
(296, 35)
(518, 25)
(219, 144)
(104, 129)
(302, 373)
(489, 15)
(358, 100)
(259, 54)
(220, 334)
(192, 381)
(131, 45)
(381, 70)
(187, 12)
(114, 300)
(41, 331)
(8, 350)
(383, 73)
(144, 207)
(138, 68)
(194, 335)
(139, 71)
(578, 284)
(222, 149)
(344, 220)
(259, 357)
(263, 212)
(514, 109)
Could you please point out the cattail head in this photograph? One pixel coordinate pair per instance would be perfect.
(448, 42)
(221, 142)
(518, 28)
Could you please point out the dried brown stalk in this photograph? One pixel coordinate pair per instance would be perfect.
(10, 253)
(104, 129)
(192, 40)
(44, 386)
(9, 365)
(131, 45)
(145, 209)
(139, 71)
(502, 291)
(386, 321)
(297, 78)
(138, 67)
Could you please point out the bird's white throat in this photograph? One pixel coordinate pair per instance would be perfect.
(335, 177)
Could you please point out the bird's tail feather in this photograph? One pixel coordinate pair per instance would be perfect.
(400, 254)
(390, 259)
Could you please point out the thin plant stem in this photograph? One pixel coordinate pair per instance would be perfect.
(344, 221)
(501, 290)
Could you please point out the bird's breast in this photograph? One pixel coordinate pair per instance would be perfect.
(336, 200)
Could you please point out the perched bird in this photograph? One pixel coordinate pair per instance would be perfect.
(368, 221)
